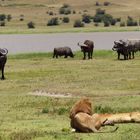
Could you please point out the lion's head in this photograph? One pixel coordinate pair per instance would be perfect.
(83, 105)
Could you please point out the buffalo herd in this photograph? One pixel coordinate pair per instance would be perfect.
(127, 48)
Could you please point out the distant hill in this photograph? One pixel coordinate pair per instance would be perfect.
(40, 11)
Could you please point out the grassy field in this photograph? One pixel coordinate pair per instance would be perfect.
(37, 12)
(112, 85)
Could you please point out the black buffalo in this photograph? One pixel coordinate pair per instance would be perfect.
(62, 51)
(88, 48)
(127, 48)
(3, 59)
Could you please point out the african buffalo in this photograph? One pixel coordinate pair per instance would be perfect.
(87, 47)
(3, 59)
(126, 47)
(66, 51)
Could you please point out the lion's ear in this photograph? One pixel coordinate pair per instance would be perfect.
(84, 105)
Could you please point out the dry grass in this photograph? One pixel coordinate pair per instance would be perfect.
(35, 10)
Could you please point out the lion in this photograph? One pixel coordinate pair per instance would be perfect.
(82, 119)
(130, 117)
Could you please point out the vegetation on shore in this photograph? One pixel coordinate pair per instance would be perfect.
(112, 85)
(47, 16)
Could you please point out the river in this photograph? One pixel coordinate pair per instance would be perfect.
(29, 43)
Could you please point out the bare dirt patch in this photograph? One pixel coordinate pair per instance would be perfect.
(50, 94)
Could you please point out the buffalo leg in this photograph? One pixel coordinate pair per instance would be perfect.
(88, 55)
(2, 70)
(125, 57)
(53, 55)
(84, 55)
(129, 55)
(133, 54)
(91, 55)
(118, 55)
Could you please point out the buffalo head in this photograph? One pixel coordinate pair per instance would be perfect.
(82, 46)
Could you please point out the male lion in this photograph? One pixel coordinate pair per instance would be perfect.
(82, 119)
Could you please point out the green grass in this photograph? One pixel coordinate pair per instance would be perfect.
(58, 29)
(112, 85)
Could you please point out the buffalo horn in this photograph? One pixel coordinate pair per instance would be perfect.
(3, 51)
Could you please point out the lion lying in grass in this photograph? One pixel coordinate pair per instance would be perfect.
(82, 119)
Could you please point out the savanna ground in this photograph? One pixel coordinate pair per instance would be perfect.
(36, 11)
(112, 85)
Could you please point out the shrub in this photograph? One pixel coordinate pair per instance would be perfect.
(86, 18)
(9, 17)
(97, 18)
(118, 19)
(45, 110)
(21, 17)
(31, 25)
(122, 24)
(62, 111)
(78, 23)
(106, 3)
(2, 17)
(106, 23)
(65, 9)
(96, 24)
(74, 12)
(53, 22)
(100, 11)
(65, 5)
(97, 3)
(66, 19)
(50, 13)
(106, 109)
(2, 23)
(113, 21)
(131, 22)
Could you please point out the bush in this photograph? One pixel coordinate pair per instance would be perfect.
(113, 21)
(2, 23)
(53, 22)
(66, 19)
(62, 111)
(9, 17)
(131, 22)
(96, 24)
(21, 17)
(74, 12)
(50, 13)
(118, 19)
(100, 11)
(65, 9)
(97, 18)
(106, 18)
(31, 25)
(122, 24)
(97, 3)
(86, 18)
(78, 23)
(106, 109)
(45, 110)
(2, 17)
(106, 23)
(106, 3)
